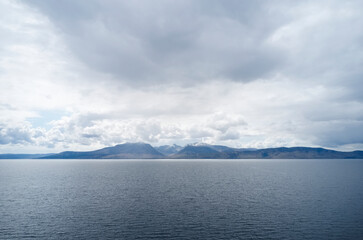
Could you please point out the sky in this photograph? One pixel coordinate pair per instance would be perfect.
(85, 74)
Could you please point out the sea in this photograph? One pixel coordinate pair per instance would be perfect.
(181, 199)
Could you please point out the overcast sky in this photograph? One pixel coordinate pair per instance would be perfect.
(81, 75)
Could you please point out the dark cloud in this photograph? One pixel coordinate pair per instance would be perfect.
(90, 135)
(167, 41)
(337, 133)
(230, 135)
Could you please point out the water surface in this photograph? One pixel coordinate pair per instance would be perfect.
(181, 199)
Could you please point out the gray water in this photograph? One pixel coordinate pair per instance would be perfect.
(181, 199)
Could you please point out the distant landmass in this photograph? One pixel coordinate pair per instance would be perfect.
(121, 151)
(23, 156)
(193, 151)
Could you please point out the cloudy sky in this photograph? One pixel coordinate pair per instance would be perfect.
(80, 75)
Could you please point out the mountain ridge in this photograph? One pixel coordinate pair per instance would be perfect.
(120, 151)
(193, 151)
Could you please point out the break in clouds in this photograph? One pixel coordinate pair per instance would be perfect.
(86, 74)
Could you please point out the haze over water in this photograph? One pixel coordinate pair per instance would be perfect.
(181, 199)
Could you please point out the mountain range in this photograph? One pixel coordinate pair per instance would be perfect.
(193, 151)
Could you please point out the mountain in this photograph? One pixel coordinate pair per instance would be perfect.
(23, 156)
(121, 151)
(220, 148)
(218, 152)
(295, 153)
(195, 152)
(168, 149)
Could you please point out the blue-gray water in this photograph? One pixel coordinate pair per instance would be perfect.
(176, 199)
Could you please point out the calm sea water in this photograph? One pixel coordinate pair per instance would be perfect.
(181, 199)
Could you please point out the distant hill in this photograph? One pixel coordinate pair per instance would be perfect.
(122, 151)
(193, 151)
(23, 156)
(216, 151)
(296, 152)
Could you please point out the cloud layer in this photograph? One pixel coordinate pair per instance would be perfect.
(87, 74)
